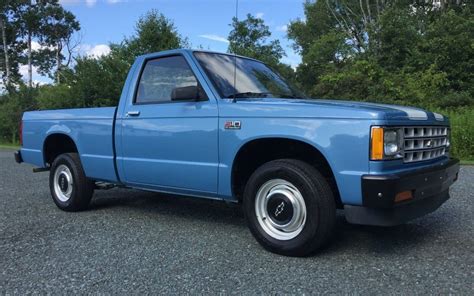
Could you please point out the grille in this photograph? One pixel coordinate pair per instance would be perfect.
(424, 142)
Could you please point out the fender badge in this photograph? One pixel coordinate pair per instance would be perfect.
(232, 124)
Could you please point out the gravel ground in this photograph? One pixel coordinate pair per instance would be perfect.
(139, 242)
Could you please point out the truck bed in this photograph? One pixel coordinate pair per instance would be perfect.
(91, 129)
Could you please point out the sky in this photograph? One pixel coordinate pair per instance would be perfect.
(205, 23)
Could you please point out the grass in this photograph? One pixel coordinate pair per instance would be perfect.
(9, 146)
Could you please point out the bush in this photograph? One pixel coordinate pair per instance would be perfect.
(462, 132)
(12, 107)
(456, 100)
(57, 97)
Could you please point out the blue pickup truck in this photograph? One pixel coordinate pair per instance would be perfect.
(227, 127)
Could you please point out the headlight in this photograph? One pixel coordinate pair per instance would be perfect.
(386, 143)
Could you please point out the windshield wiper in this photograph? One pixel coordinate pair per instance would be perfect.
(292, 97)
(249, 94)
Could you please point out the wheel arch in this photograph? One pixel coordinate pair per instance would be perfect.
(257, 151)
(55, 144)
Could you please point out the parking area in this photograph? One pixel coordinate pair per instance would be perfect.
(139, 242)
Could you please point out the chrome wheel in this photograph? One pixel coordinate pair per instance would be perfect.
(63, 183)
(280, 209)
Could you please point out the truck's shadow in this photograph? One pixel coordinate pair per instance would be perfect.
(347, 238)
(205, 210)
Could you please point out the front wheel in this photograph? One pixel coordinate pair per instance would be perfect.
(289, 207)
(70, 188)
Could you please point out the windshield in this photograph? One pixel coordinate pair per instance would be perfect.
(253, 79)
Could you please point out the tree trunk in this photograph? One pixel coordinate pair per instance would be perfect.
(30, 60)
(58, 63)
(5, 51)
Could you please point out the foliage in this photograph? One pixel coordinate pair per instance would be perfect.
(153, 32)
(58, 27)
(57, 97)
(96, 82)
(249, 37)
(11, 47)
(462, 132)
(406, 52)
(24, 22)
(12, 107)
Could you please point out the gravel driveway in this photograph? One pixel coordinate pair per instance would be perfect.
(139, 242)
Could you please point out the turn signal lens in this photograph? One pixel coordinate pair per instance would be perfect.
(376, 149)
(402, 196)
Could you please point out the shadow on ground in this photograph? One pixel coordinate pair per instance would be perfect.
(383, 240)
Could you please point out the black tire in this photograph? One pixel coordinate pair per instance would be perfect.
(318, 199)
(82, 188)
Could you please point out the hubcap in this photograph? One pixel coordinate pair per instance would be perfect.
(280, 209)
(63, 183)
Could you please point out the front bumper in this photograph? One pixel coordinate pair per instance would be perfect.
(429, 187)
(18, 157)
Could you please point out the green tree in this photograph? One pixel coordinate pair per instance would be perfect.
(249, 37)
(449, 46)
(99, 81)
(57, 97)
(407, 52)
(57, 26)
(154, 32)
(11, 46)
(23, 22)
(12, 107)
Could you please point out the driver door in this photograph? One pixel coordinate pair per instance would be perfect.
(170, 143)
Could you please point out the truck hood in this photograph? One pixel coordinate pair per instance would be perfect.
(346, 109)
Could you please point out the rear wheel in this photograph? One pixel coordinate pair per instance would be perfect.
(70, 188)
(289, 207)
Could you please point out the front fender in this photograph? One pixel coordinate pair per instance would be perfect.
(343, 142)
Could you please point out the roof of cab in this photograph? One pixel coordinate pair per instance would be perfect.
(190, 51)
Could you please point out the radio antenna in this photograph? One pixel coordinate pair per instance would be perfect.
(235, 55)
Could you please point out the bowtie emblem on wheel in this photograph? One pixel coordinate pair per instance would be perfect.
(279, 209)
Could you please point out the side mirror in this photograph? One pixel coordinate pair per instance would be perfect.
(187, 93)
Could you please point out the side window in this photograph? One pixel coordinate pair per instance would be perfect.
(163, 78)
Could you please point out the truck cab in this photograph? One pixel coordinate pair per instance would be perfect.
(227, 127)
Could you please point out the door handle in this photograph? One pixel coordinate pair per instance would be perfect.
(133, 113)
